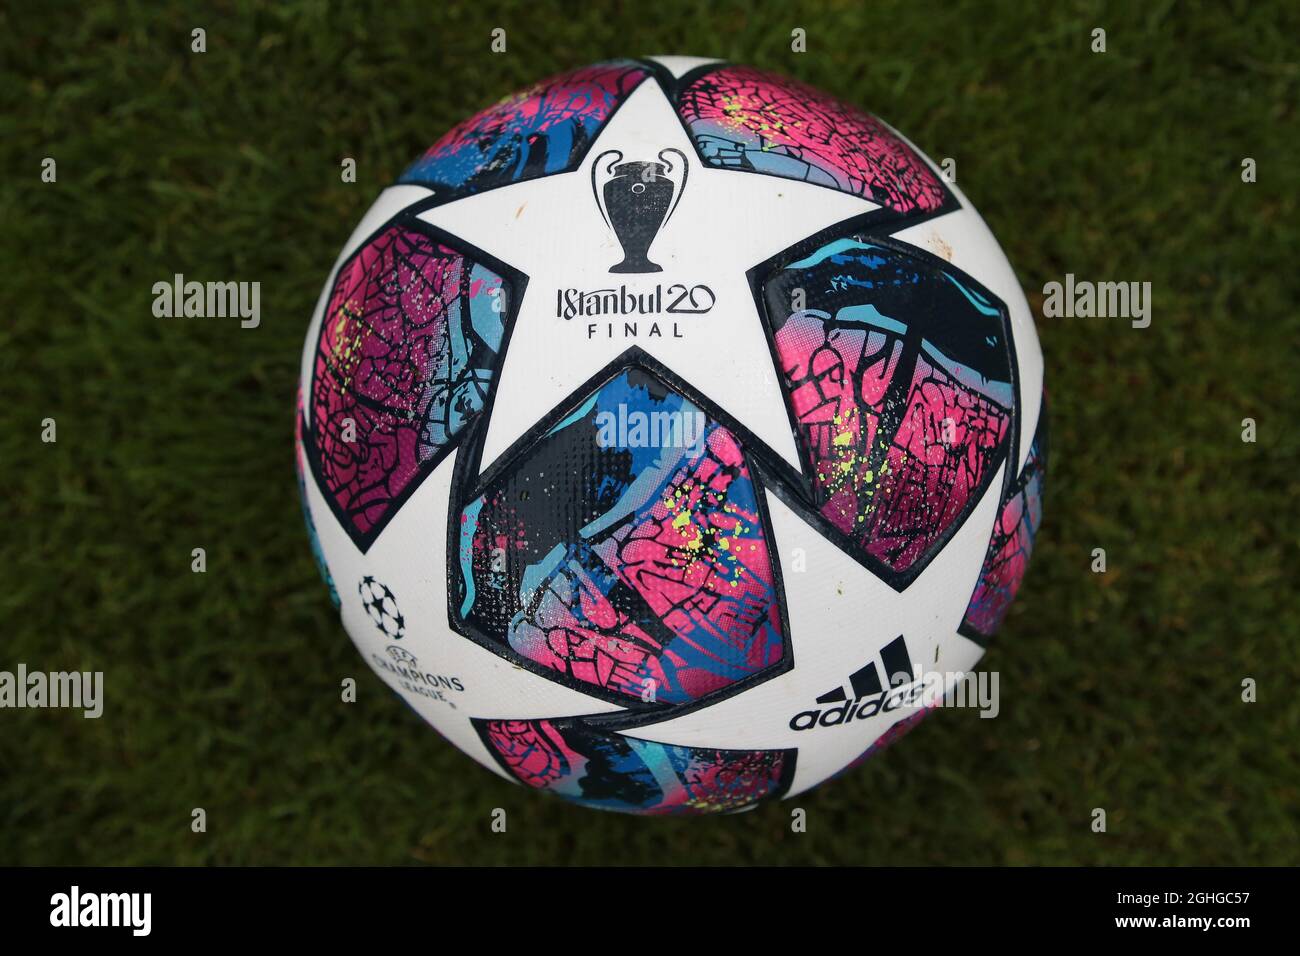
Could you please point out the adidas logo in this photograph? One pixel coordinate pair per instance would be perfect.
(869, 696)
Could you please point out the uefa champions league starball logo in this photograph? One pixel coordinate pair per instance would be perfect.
(381, 607)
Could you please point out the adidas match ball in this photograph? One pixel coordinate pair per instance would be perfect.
(663, 432)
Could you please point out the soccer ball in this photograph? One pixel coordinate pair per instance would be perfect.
(666, 428)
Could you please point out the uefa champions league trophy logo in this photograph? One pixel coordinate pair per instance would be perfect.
(636, 200)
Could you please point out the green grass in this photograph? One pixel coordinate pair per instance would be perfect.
(1120, 690)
